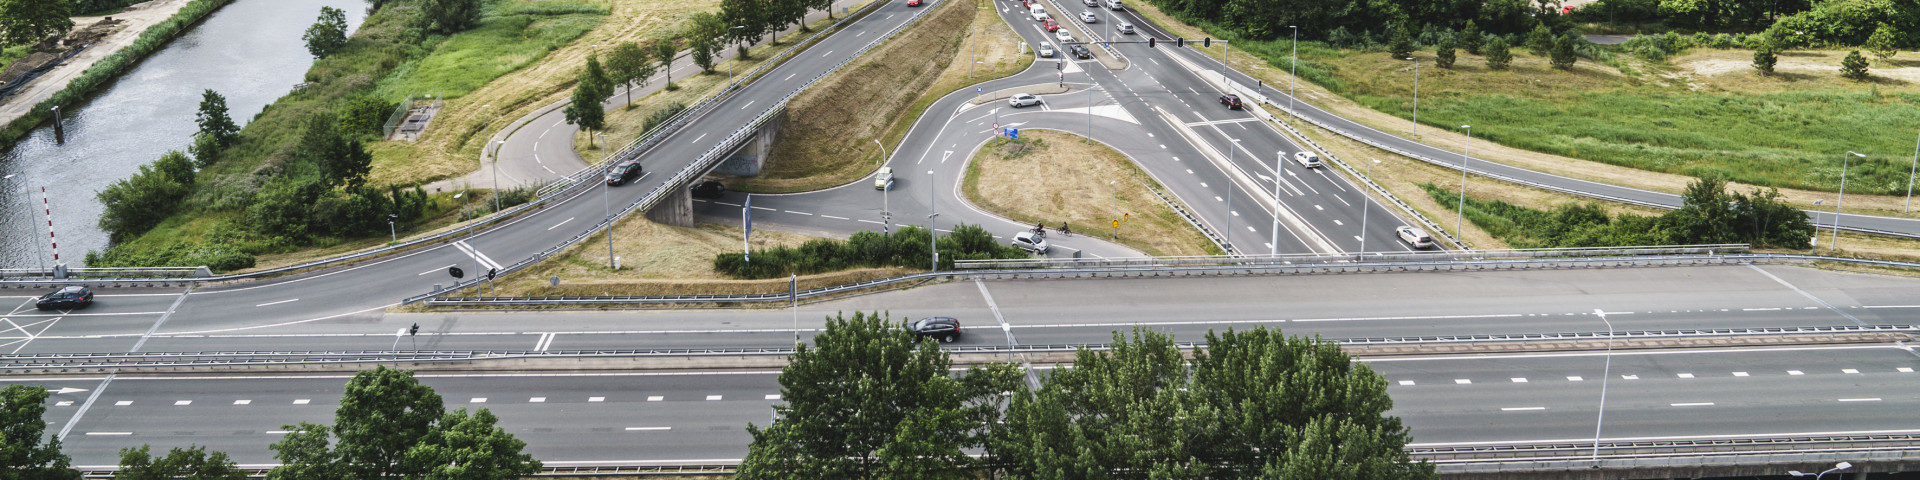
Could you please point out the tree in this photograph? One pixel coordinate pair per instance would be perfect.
(361, 116)
(135, 204)
(1761, 218)
(1498, 57)
(205, 150)
(1854, 66)
(592, 89)
(342, 162)
(304, 454)
(664, 51)
(328, 34)
(781, 14)
(1563, 56)
(1400, 43)
(463, 447)
(749, 15)
(22, 454)
(213, 119)
(1883, 42)
(1706, 213)
(192, 463)
(176, 167)
(1764, 58)
(1471, 39)
(26, 22)
(383, 414)
(1540, 40)
(704, 36)
(1443, 54)
(869, 400)
(629, 65)
(448, 17)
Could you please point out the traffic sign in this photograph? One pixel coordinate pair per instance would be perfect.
(1126, 216)
(1116, 223)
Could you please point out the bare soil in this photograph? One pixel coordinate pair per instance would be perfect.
(1055, 177)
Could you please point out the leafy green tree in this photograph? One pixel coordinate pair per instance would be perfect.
(1563, 55)
(136, 204)
(448, 17)
(192, 463)
(629, 65)
(782, 14)
(1540, 40)
(1443, 54)
(1884, 42)
(750, 16)
(705, 33)
(23, 455)
(1762, 218)
(26, 22)
(663, 51)
(1764, 58)
(362, 116)
(870, 401)
(1400, 42)
(342, 162)
(383, 414)
(593, 87)
(304, 454)
(1471, 39)
(1706, 213)
(463, 447)
(176, 167)
(1854, 66)
(1498, 57)
(205, 150)
(213, 120)
(328, 34)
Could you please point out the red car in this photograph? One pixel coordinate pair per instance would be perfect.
(913, 3)
(1052, 26)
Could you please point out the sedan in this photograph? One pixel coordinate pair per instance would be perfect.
(913, 3)
(1063, 37)
(1089, 17)
(947, 329)
(709, 189)
(1022, 100)
(624, 172)
(1081, 52)
(1045, 50)
(1091, 3)
(66, 298)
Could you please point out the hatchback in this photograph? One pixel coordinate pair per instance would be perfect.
(1031, 242)
(1414, 237)
(1023, 99)
(624, 172)
(1045, 50)
(66, 298)
(1088, 17)
(1307, 159)
(947, 329)
(1063, 36)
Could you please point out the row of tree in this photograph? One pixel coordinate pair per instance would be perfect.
(868, 400)
(906, 247)
(388, 426)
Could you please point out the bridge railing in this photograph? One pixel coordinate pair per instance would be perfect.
(1311, 258)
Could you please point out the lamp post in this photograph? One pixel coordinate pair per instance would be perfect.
(1279, 173)
(1816, 476)
(1292, 76)
(1605, 372)
(932, 247)
(391, 231)
(606, 197)
(736, 60)
(1816, 229)
(1460, 216)
(886, 212)
(1415, 131)
(1365, 204)
(1227, 235)
(1910, 172)
(1840, 202)
(496, 173)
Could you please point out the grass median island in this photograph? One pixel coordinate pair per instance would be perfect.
(1054, 177)
(827, 139)
(658, 259)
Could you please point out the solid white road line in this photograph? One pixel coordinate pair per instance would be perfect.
(697, 139)
(713, 398)
(1875, 399)
(1692, 404)
(749, 103)
(562, 222)
(1522, 409)
(648, 429)
(437, 270)
(277, 303)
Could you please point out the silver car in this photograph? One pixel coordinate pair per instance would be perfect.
(1089, 17)
(1414, 237)
(1023, 100)
(1045, 50)
(1124, 27)
(1031, 242)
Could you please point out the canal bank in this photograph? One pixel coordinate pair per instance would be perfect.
(138, 17)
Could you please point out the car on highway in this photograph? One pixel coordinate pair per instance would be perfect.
(913, 3)
(1089, 17)
(883, 179)
(1081, 52)
(1045, 50)
(1307, 159)
(1039, 13)
(1125, 28)
(709, 189)
(1051, 25)
(623, 172)
(1023, 100)
(1414, 237)
(1030, 241)
(1063, 36)
(66, 298)
(1231, 101)
(1114, 5)
(1091, 3)
(947, 329)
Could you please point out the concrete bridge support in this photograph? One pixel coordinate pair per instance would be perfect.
(751, 157)
(676, 209)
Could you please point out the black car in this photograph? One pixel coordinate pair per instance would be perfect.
(66, 298)
(624, 172)
(1081, 52)
(1231, 101)
(709, 189)
(947, 329)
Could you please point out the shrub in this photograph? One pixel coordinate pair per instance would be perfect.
(1563, 56)
(660, 116)
(1882, 43)
(1540, 40)
(906, 247)
(1400, 43)
(1854, 66)
(1471, 39)
(1764, 59)
(1443, 54)
(138, 203)
(1498, 58)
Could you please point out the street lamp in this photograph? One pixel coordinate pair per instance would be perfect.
(886, 212)
(606, 196)
(1842, 200)
(390, 229)
(1460, 216)
(932, 247)
(1910, 172)
(1279, 173)
(1292, 77)
(1816, 476)
(1226, 235)
(1604, 373)
(1365, 204)
(1416, 96)
(496, 173)
(736, 59)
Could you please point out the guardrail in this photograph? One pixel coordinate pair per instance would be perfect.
(83, 273)
(706, 160)
(1194, 220)
(1314, 258)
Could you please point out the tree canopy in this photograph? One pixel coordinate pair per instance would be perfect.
(25, 452)
(391, 426)
(328, 34)
(25, 22)
(191, 463)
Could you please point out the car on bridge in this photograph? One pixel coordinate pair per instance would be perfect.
(709, 189)
(1307, 159)
(623, 172)
(947, 329)
(1414, 237)
(1081, 52)
(883, 179)
(1231, 101)
(66, 298)
(1031, 241)
(1045, 50)
(1023, 100)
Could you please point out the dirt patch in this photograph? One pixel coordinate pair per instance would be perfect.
(1732, 70)
(1054, 177)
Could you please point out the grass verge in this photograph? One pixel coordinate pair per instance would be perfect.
(1054, 177)
(660, 259)
(827, 140)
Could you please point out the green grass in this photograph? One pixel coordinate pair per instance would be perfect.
(9, 54)
(511, 35)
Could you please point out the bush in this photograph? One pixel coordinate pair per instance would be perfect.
(219, 257)
(1540, 40)
(660, 116)
(1471, 39)
(1563, 56)
(1764, 59)
(138, 203)
(1854, 66)
(1498, 57)
(1443, 54)
(906, 247)
(1709, 215)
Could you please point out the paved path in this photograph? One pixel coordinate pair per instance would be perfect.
(138, 18)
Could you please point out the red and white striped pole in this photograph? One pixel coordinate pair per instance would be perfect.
(50, 238)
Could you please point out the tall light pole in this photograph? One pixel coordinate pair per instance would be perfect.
(1459, 218)
(1227, 235)
(932, 247)
(391, 231)
(1817, 476)
(606, 196)
(1910, 171)
(1293, 76)
(886, 213)
(1842, 200)
(496, 173)
(736, 59)
(1416, 97)
(1279, 173)
(1605, 372)
(1365, 204)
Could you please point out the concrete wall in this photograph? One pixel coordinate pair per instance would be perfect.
(752, 156)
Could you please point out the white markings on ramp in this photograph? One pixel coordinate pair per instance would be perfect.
(277, 303)
(562, 222)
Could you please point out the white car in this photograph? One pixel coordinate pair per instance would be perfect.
(1022, 100)
(1028, 241)
(883, 179)
(1089, 17)
(1091, 3)
(1045, 50)
(1307, 159)
(1124, 27)
(1414, 237)
(1063, 36)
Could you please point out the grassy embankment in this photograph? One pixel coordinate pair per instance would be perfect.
(382, 54)
(659, 259)
(827, 140)
(1641, 123)
(1052, 177)
(102, 72)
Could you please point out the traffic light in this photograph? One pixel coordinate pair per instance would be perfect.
(415, 329)
(490, 273)
(1149, 42)
(1180, 42)
(1206, 42)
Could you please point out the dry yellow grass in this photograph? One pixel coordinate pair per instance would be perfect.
(1055, 177)
(658, 259)
(827, 141)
